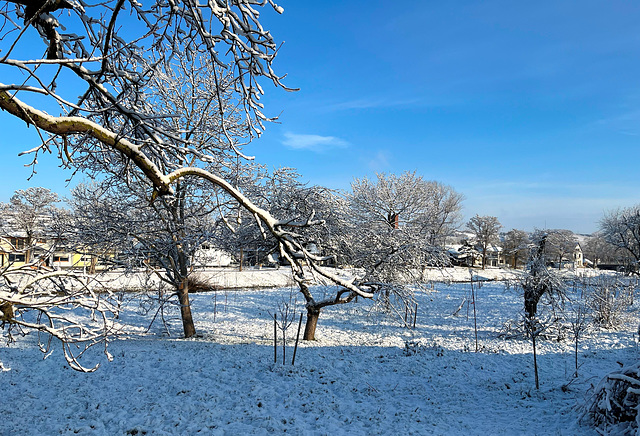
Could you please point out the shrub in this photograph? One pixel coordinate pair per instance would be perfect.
(613, 408)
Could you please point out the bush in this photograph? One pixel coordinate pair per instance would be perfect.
(199, 283)
(613, 408)
(608, 300)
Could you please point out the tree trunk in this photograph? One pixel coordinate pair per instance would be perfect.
(310, 326)
(185, 309)
(576, 355)
(530, 303)
(535, 356)
(94, 263)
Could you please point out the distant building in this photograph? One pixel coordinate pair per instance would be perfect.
(209, 256)
(468, 253)
(578, 257)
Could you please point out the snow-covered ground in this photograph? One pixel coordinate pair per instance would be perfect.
(366, 373)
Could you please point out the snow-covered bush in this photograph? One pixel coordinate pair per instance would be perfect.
(608, 298)
(613, 408)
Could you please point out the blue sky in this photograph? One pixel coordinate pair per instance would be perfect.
(530, 109)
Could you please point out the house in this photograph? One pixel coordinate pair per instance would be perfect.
(65, 258)
(470, 255)
(12, 251)
(464, 255)
(209, 256)
(495, 256)
(16, 252)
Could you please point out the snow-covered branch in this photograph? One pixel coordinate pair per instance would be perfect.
(62, 305)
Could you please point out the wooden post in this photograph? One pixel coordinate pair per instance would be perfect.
(284, 341)
(215, 304)
(275, 338)
(475, 319)
(295, 348)
(415, 316)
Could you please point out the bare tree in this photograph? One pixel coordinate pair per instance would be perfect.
(27, 218)
(163, 236)
(59, 304)
(561, 245)
(106, 80)
(538, 282)
(171, 229)
(578, 325)
(394, 228)
(119, 122)
(443, 214)
(358, 230)
(407, 201)
(598, 250)
(285, 195)
(516, 245)
(486, 230)
(621, 228)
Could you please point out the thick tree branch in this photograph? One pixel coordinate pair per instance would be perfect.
(79, 125)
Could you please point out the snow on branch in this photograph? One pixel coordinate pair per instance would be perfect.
(291, 248)
(61, 305)
(79, 125)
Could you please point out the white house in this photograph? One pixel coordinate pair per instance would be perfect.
(208, 256)
(578, 257)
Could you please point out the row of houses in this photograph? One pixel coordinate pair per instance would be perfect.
(18, 251)
(469, 254)
(34, 239)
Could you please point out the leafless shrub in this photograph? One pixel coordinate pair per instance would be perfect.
(200, 283)
(578, 324)
(608, 299)
(284, 316)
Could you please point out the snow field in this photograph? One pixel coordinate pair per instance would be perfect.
(366, 374)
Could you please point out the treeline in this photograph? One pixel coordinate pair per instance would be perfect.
(392, 220)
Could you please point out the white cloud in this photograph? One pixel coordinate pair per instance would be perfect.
(315, 143)
(385, 103)
(367, 104)
(379, 161)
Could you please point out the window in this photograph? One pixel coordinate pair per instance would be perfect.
(58, 258)
(16, 257)
(18, 243)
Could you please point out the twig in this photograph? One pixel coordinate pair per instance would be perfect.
(295, 348)
(275, 338)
